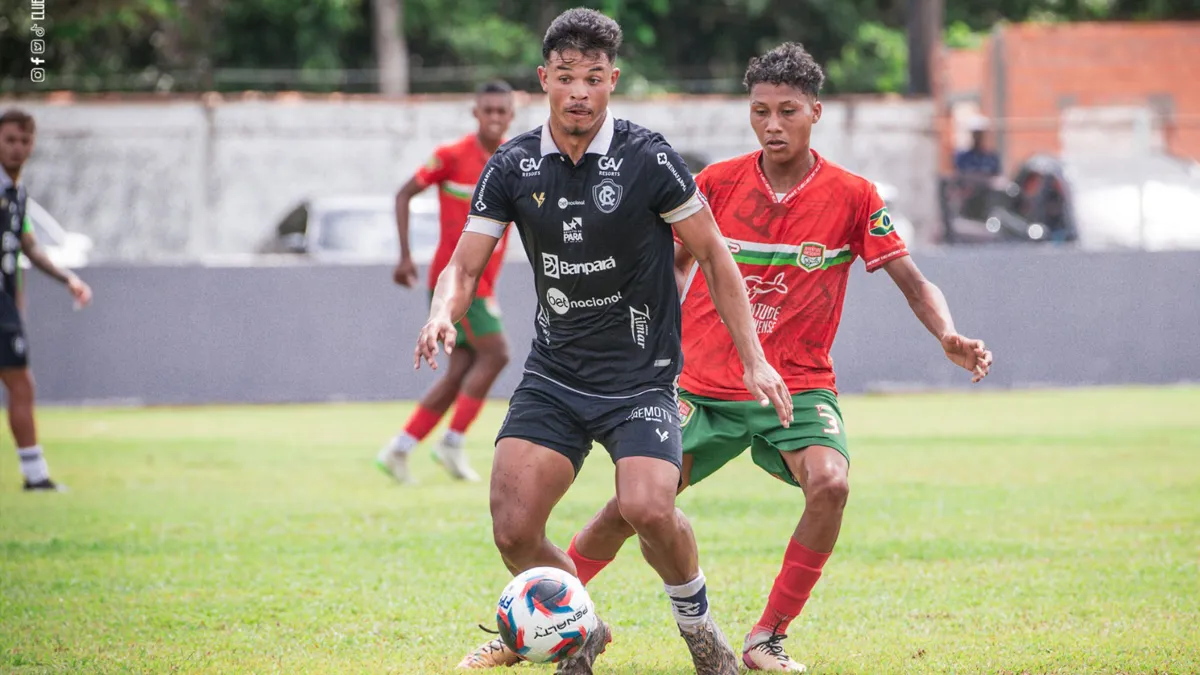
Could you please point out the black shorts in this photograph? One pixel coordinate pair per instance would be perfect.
(644, 424)
(14, 350)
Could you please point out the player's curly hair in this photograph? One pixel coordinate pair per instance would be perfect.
(583, 30)
(788, 64)
(19, 117)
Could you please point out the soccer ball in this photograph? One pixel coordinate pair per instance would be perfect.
(545, 614)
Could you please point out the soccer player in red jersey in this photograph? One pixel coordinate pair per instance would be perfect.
(455, 168)
(795, 222)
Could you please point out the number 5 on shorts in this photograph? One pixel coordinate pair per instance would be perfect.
(826, 412)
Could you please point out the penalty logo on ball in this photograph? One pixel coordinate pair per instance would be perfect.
(545, 615)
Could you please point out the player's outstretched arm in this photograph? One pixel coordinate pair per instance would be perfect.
(453, 295)
(79, 290)
(405, 273)
(703, 241)
(929, 304)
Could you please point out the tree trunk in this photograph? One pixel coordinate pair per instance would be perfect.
(391, 52)
(924, 36)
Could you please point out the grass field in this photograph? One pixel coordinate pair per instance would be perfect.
(989, 533)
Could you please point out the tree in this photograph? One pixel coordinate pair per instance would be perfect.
(391, 52)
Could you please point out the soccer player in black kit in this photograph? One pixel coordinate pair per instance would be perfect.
(595, 200)
(16, 238)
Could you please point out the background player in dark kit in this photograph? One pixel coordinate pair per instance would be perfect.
(17, 131)
(594, 200)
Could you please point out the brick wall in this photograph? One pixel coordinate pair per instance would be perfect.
(1028, 74)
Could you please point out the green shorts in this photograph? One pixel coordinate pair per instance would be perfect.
(482, 318)
(715, 431)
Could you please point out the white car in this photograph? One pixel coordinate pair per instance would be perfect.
(69, 250)
(361, 229)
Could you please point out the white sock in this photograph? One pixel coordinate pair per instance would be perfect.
(453, 439)
(33, 464)
(403, 443)
(689, 603)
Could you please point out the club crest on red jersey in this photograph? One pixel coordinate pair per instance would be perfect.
(812, 255)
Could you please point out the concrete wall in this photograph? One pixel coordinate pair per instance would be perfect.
(154, 179)
(197, 335)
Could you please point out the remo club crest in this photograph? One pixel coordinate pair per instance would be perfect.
(607, 195)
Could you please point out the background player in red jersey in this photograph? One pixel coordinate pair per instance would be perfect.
(455, 168)
(794, 222)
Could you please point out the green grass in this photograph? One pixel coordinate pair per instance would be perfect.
(990, 533)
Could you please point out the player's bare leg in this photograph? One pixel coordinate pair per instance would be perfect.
(595, 546)
(823, 473)
(490, 356)
(646, 489)
(527, 481)
(393, 458)
(20, 387)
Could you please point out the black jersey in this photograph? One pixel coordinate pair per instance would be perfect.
(12, 225)
(599, 238)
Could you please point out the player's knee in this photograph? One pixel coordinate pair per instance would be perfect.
(20, 388)
(514, 539)
(495, 355)
(648, 514)
(828, 492)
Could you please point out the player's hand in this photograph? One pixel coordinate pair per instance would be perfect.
(767, 387)
(968, 354)
(438, 329)
(80, 291)
(405, 273)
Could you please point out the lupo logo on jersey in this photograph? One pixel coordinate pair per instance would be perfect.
(553, 267)
(561, 304)
(531, 167)
(607, 195)
(665, 161)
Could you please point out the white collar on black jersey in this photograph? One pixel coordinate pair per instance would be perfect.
(599, 145)
(5, 181)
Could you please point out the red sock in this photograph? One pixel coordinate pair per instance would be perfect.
(586, 567)
(466, 409)
(801, 570)
(422, 422)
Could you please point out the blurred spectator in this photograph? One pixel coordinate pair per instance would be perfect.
(978, 159)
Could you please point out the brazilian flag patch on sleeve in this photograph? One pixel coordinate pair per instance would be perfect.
(881, 223)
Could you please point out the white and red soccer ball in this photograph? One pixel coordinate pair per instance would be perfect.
(545, 615)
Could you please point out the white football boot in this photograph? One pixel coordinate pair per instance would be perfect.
(764, 651)
(454, 459)
(394, 464)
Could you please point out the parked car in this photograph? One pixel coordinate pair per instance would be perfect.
(360, 229)
(1131, 203)
(69, 250)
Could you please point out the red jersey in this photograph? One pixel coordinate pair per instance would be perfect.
(455, 168)
(794, 254)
